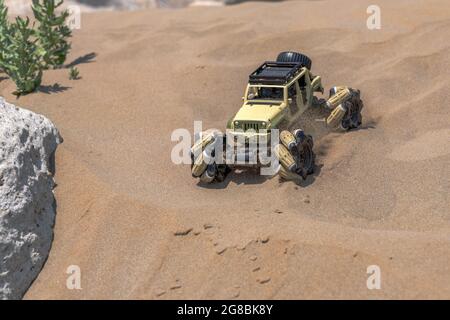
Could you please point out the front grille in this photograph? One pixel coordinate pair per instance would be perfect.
(251, 125)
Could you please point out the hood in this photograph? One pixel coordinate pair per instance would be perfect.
(259, 111)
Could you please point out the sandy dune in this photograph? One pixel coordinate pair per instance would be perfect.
(380, 195)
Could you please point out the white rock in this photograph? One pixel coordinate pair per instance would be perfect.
(27, 205)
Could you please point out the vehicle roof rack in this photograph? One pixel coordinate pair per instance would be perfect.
(271, 72)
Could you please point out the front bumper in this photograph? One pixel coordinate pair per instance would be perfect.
(244, 148)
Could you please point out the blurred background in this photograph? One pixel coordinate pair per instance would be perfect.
(22, 6)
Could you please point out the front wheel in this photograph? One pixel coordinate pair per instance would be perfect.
(204, 165)
(305, 154)
(299, 158)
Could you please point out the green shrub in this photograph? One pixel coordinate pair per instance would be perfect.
(52, 32)
(25, 51)
(4, 28)
(74, 73)
(4, 24)
(19, 57)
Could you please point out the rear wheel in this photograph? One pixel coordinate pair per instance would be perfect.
(291, 56)
(353, 117)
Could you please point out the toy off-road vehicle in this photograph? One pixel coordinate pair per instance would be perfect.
(277, 95)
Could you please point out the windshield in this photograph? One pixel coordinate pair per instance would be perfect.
(265, 93)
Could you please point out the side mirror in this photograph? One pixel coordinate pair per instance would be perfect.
(243, 98)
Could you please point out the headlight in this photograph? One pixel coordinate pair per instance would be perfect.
(263, 124)
(236, 123)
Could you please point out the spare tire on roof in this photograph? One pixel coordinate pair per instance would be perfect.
(291, 56)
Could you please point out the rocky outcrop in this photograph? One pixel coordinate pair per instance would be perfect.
(27, 205)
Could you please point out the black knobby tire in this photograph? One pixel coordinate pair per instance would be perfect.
(291, 56)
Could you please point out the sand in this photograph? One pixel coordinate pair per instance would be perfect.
(379, 195)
